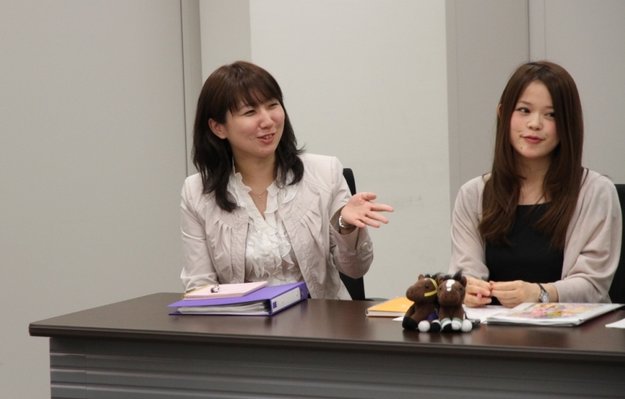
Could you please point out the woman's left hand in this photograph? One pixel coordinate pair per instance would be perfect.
(512, 293)
(361, 211)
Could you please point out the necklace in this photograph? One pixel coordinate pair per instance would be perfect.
(259, 196)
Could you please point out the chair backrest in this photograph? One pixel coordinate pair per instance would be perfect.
(348, 174)
(617, 289)
(355, 286)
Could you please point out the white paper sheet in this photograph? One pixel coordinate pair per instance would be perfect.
(617, 324)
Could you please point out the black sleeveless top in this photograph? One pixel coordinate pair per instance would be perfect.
(529, 257)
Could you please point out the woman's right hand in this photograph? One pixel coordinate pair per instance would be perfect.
(477, 293)
(361, 210)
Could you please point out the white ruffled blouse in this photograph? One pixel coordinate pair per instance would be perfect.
(268, 253)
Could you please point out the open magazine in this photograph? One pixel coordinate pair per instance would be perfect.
(551, 314)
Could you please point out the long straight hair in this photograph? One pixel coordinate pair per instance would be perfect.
(565, 174)
(223, 92)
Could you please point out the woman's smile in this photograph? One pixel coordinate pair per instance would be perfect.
(267, 138)
(533, 139)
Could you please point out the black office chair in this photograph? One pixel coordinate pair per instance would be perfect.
(617, 289)
(355, 286)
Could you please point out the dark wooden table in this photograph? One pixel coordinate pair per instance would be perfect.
(321, 349)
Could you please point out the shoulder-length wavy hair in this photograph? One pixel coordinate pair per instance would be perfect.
(223, 92)
(565, 174)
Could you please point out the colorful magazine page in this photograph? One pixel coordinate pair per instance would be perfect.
(552, 314)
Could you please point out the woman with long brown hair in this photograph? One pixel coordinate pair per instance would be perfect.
(539, 227)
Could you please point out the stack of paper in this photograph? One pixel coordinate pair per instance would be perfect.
(224, 290)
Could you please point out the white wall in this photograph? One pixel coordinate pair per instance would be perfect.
(589, 40)
(225, 33)
(92, 158)
(366, 81)
(486, 41)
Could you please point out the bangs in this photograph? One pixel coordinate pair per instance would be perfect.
(232, 86)
(252, 91)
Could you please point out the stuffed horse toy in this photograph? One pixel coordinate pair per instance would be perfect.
(423, 313)
(450, 295)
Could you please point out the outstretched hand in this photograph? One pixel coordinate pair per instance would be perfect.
(362, 211)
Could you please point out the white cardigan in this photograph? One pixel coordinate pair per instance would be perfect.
(214, 240)
(592, 248)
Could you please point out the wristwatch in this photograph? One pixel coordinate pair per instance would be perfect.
(543, 297)
(342, 223)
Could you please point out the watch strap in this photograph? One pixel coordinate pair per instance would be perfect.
(543, 297)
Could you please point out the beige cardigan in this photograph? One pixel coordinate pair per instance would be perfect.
(592, 247)
(214, 240)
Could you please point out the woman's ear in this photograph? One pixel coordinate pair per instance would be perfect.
(217, 128)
